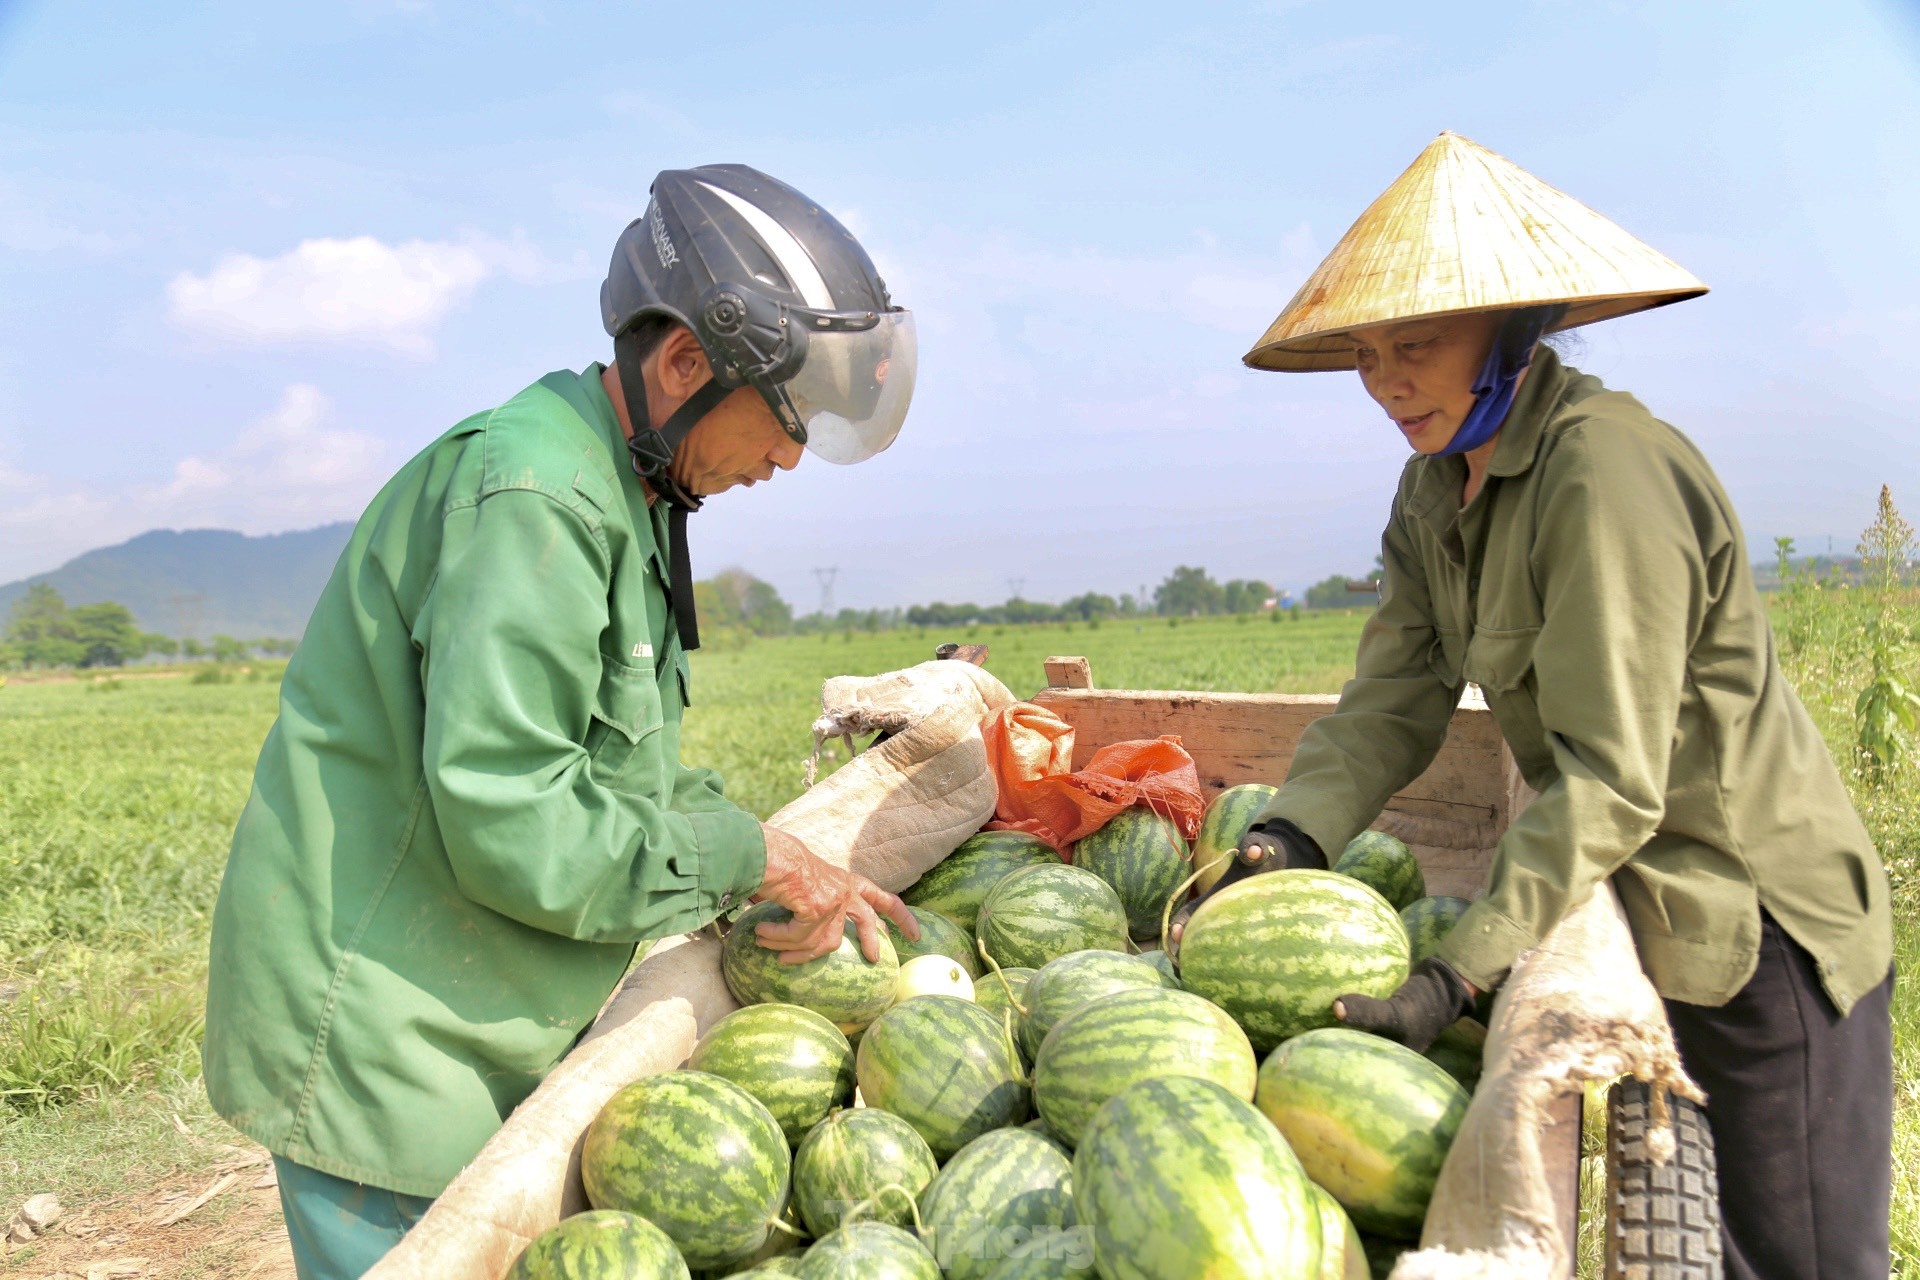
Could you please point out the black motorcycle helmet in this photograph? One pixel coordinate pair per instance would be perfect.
(782, 298)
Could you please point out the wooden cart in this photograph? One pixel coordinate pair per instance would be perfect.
(1451, 816)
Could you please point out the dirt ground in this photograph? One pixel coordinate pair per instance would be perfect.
(220, 1222)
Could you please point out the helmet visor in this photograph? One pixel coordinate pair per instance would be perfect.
(851, 394)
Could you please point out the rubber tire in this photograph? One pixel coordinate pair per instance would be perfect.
(1663, 1221)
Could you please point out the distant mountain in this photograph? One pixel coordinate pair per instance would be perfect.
(204, 582)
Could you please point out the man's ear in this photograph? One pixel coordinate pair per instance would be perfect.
(680, 364)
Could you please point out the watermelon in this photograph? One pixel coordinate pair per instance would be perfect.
(1342, 1256)
(1378, 859)
(1457, 1051)
(1006, 989)
(1142, 855)
(1076, 981)
(1041, 1127)
(797, 1063)
(1178, 1178)
(600, 1242)
(1277, 949)
(991, 1197)
(1039, 913)
(1371, 1121)
(1066, 1254)
(957, 885)
(932, 975)
(945, 1066)
(1428, 920)
(1096, 1052)
(1228, 818)
(848, 1157)
(1164, 963)
(868, 1251)
(939, 936)
(696, 1155)
(841, 986)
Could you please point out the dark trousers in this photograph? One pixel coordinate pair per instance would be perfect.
(1800, 1101)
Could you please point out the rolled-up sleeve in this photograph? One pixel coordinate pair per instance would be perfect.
(1623, 582)
(1391, 719)
(514, 682)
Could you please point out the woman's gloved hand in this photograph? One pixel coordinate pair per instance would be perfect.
(1273, 845)
(1432, 999)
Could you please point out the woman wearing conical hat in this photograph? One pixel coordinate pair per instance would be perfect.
(1555, 544)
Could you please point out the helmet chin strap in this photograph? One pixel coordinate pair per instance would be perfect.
(651, 451)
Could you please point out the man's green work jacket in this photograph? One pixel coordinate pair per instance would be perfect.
(1598, 591)
(471, 807)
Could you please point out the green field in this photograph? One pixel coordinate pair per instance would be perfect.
(117, 799)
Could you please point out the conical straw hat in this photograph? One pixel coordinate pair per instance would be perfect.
(1466, 230)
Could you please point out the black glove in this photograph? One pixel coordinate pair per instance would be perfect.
(1273, 845)
(1432, 999)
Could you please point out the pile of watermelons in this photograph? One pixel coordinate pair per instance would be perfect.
(1032, 1095)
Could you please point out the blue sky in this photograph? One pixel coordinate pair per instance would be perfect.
(1094, 210)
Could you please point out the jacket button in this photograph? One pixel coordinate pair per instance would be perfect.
(726, 898)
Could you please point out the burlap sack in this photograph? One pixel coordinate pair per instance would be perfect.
(1576, 1008)
(894, 811)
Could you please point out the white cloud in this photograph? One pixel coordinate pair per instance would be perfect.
(356, 290)
(288, 469)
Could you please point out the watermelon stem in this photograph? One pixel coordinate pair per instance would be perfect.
(1166, 913)
(872, 1202)
(780, 1224)
(981, 946)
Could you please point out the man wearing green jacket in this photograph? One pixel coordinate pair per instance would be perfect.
(471, 808)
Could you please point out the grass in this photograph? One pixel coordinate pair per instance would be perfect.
(117, 800)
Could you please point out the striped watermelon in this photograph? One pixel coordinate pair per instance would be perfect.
(1096, 1052)
(600, 1242)
(1277, 949)
(1371, 1121)
(1342, 1256)
(868, 1251)
(848, 1157)
(1077, 980)
(1180, 1179)
(697, 1156)
(1232, 812)
(840, 986)
(945, 1066)
(1428, 920)
(1040, 1126)
(1142, 855)
(957, 885)
(797, 1063)
(1380, 860)
(939, 936)
(1039, 913)
(991, 1197)
(1160, 960)
(1458, 1050)
(1066, 1254)
(1005, 990)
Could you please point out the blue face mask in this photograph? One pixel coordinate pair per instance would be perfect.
(1500, 375)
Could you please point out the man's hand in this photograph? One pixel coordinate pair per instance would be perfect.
(1432, 999)
(822, 898)
(1275, 845)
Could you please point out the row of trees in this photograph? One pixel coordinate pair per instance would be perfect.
(43, 631)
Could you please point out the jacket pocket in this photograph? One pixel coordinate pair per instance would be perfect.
(1498, 661)
(626, 711)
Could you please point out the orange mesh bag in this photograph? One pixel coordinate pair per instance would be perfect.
(1030, 751)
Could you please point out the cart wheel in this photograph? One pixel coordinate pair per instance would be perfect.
(1663, 1221)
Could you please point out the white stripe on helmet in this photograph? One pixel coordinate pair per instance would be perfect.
(787, 251)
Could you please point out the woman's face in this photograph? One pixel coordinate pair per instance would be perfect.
(1421, 372)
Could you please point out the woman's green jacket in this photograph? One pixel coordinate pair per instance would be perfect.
(1598, 590)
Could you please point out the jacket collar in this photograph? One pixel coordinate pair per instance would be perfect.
(588, 396)
(1526, 423)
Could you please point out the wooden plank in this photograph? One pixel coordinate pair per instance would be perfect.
(1068, 673)
(1250, 737)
